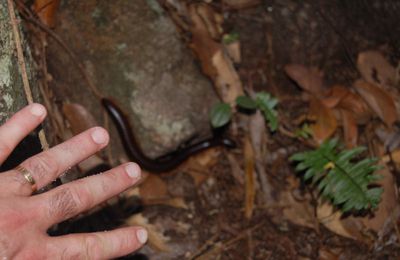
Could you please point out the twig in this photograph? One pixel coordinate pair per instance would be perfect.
(22, 66)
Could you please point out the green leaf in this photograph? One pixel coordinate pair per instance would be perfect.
(246, 102)
(339, 177)
(230, 38)
(266, 103)
(220, 115)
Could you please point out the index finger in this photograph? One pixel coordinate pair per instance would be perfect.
(19, 126)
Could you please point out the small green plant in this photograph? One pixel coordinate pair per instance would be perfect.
(347, 183)
(221, 113)
(304, 131)
(230, 38)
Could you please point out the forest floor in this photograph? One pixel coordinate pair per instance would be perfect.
(249, 202)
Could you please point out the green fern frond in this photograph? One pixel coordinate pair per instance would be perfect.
(266, 103)
(345, 183)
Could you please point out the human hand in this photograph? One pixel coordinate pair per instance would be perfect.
(25, 218)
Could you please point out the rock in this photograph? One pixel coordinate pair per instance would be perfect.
(133, 54)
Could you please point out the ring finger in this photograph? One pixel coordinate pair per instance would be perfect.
(73, 198)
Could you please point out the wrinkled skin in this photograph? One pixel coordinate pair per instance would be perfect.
(24, 218)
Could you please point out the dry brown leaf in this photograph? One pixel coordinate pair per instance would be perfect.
(325, 254)
(46, 10)
(395, 156)
(375, 69)
(241, 4)
(325, 121)
(79, 118)
(202, 43)
(332, 220)
(156, 239)
(387, 204)
(298, 212)
(198, 177)
(211, 19)
(349, 128)
(334, 96)
(379, 101)
(249, 161)
(233, 50)
(309, 79)
(214, 59)
(153, 187)
(176, 202)
(356, 105)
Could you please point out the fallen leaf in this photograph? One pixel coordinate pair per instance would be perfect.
(309, 79)
(349, 128)
(356, 105)
(375, 69)
(332, 220)
(176, 202)
(241, 4)
(156, 239)
(153, 187)
(249, 161)
(233, 50)
(395, 156)
(325, 121)
(387, 204)
(214, 59)
(379, 101)
(79, 118)
(334, 96)
(46, 11)
(298, 212)
(211, 19)
(325, 254)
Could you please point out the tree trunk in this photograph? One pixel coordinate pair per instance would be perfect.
(12, 96)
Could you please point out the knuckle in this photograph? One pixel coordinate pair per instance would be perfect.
(63, 205)
(5, 149)
(93, 246)
(42, 165)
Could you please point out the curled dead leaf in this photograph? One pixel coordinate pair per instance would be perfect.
(375, 69)
(378, 100)
(153, 188)
(79, 118)
(325, 121)
(156, 239)
(309, 79)
(334, 96)
(349, 128)
(46, 10)
(356, 105)
(241, 4)
(215, 61)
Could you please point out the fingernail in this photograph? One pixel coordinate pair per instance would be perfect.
(37, 110)
(99, 136)
(133, 171)
(142, 235)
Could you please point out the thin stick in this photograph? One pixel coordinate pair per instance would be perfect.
(22, 67)
(20, 55)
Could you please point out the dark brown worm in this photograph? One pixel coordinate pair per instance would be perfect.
(166, 162)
